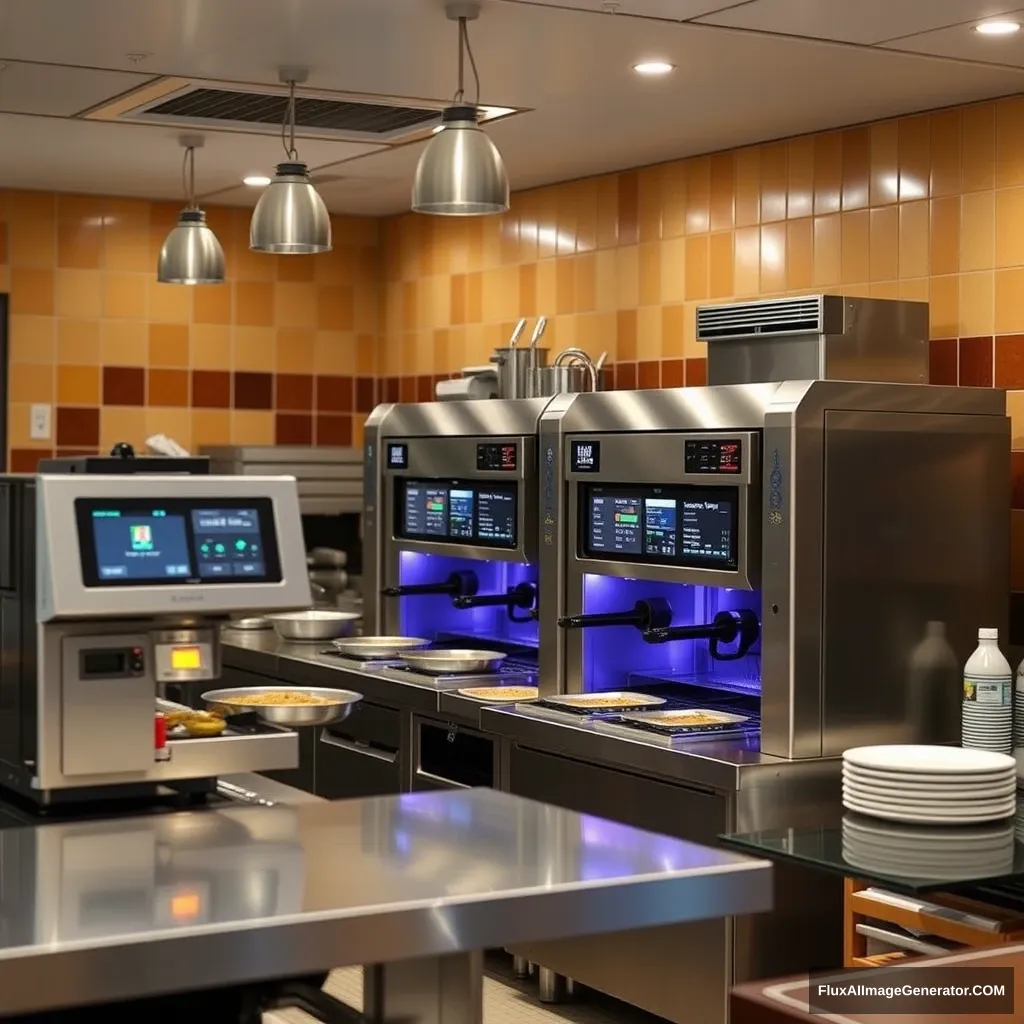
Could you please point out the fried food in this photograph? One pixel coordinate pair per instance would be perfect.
(281, 698)
(184, 715)
(211, 726)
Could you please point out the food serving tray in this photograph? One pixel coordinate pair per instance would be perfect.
(612, 702)
(670, 721)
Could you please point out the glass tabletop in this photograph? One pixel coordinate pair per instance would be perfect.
(907, 857)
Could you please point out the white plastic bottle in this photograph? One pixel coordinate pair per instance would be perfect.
(987, 708)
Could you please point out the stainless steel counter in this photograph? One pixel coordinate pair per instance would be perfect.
(117, 909)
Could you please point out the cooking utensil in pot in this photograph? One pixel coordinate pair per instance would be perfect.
(291, 715)
(316, 624)
(378, 646)
(456, 662)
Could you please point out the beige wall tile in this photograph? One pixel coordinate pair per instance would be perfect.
(884, 186)
(914, 240)
(883, 258)
(977, 304)
(977, 231)
(978, 133)
(1009, 142)
(1009, 301)
(944, 306)
(697, 267)
(748, 186)
(945, 152)
(773, 258)
(828, 251)
(856, 246)
(774, 181)
(747, 262)
(944, 236)
(800, 254)
(828, 172)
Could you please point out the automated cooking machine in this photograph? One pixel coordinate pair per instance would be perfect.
(114, 587)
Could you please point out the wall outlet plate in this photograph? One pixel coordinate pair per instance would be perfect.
(39, 422)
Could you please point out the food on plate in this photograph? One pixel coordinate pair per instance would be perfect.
(281, 698)
(597, 701)
(212, 726)
(506, 694)
(692, 718)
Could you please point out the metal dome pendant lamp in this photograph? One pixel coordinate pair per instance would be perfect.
(461, 173)
(191, 253)
(290, 217)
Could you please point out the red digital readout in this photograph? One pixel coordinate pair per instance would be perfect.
(508, 456)
(729, 457)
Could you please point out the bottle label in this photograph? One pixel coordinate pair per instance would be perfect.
(998, 691)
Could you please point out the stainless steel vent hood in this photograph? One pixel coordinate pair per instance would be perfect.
(816, 337)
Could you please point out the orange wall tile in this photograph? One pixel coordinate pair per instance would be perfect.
(116, 353)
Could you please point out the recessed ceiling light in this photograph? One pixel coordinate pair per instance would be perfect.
(653, 67)
(256, 180)
(997, 28)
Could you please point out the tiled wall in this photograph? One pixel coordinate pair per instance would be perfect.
(283, 352)
(926, 207)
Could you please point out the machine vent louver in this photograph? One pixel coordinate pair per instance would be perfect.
(756, 319)
(224, 105)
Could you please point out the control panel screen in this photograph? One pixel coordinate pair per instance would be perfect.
(457, 512)
(714, 456)
(175, 541)
(585, 456)
(685, 526)
(502, 457)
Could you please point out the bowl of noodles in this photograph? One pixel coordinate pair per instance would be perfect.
(285, 705)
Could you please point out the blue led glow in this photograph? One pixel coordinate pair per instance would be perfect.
(612, 654)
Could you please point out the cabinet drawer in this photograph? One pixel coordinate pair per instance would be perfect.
(372, 724)
(346, 768)
(301, 777)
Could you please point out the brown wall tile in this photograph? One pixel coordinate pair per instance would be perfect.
(335, 394)
(293, 428)
(648, 374)
(943, 361)
(79, 428)
(673, 373)
(696, 373)
(168, 388)
(124, 385)
(26, 460)
(1009, 364)
(625, 376)
(365, 394)
(211, 389)
(976, 362)
(293, 391)
(253, 391)
(333, 430)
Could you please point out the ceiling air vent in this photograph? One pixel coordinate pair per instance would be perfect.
(770, 317)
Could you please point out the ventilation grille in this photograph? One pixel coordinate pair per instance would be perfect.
(315, 115)
(757, 319)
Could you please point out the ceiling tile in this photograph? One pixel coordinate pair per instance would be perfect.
(57, 91)
(961, 43)
(854, 21)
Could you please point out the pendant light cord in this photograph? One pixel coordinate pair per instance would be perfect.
(288, 127)
(465, 50)
(188, 177)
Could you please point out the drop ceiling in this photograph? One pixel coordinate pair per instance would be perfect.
(72, 71)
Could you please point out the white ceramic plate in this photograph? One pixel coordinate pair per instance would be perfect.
(914, 833)
(891, 814)
(953, 809)
(898, 848)
(931, 760)
(954, 797)
(955, 790)
(912, 778)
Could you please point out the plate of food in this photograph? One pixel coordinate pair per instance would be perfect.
(500, 694)
(609, 701)
(282, 705)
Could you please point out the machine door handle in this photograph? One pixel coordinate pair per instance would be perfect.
(358, 748)
(650, 614)
(458, 584)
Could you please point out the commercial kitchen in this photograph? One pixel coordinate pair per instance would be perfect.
(499, 501)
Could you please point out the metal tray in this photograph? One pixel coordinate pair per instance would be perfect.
(292, 715)
(626, 700)
(656, 720)
(378, 646)
(455, 662)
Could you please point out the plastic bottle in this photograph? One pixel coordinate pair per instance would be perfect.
(935, 687)
(987, 708)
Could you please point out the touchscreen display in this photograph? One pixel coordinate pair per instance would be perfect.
(688, 526)
(457, 512)
(174, 541)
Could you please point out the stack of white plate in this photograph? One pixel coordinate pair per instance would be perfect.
(929, 785)
(928, 853)
(987, 726)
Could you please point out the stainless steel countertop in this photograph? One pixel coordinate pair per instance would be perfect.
(725, 765)
(117, 909)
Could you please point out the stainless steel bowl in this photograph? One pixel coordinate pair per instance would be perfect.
(454, 662)
(378, 646)
(253, 622)
(316, 624)
(292, 715)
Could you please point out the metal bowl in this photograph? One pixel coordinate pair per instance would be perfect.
(378, 646)
(454, 662)
(253, 622)
(316, 624)
(292, 715)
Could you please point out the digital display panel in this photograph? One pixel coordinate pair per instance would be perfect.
(175, 541)
(457, 512)
(679, 525)
(502, 457)
(713, 456)
(585, 456)
(398, 456)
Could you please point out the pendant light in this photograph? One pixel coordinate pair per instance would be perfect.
(460, 173)
(290, 218)
(191, 253)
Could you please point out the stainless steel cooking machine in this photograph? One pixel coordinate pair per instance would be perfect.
(114, 587)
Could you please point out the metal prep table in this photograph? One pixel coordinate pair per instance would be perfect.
(417, 885)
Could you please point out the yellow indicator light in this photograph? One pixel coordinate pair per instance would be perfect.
(186, 658)
(185, 906)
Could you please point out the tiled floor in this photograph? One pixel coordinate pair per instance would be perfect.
(506, 1001)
